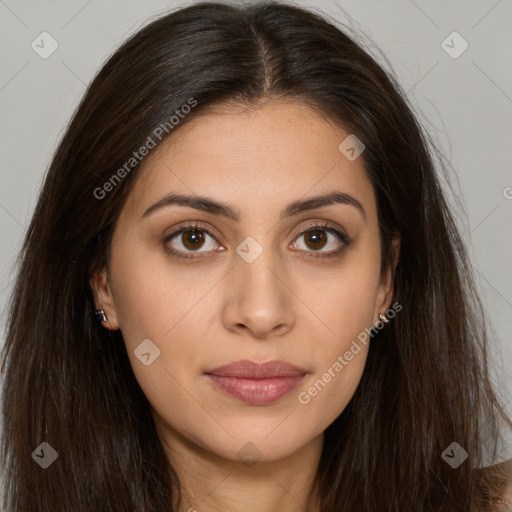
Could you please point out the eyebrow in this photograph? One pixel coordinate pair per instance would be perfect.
(214, 207)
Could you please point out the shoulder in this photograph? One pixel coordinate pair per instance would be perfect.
(505, 468)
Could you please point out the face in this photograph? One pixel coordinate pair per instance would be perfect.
(194, 288)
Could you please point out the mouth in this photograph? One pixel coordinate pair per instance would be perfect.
(257, 383)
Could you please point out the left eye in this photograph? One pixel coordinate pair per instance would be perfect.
(317, 238)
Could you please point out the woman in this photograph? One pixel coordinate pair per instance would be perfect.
(286, 315)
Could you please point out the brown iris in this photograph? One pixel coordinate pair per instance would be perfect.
(316, 237)
(192, 239)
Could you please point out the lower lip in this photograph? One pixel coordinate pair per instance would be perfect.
(257, 391)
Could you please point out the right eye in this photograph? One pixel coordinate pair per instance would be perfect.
(187, 240)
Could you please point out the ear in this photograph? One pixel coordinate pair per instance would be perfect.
(385, 289)
(103, 297)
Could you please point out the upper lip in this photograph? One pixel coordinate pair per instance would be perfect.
(256, 370)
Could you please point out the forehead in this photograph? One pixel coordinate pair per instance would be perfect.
(256, 159)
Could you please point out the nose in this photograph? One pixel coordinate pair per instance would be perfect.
(258, 299)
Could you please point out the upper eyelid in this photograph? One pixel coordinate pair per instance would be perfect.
(187, 227)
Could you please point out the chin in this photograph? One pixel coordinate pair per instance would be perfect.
(250, 446)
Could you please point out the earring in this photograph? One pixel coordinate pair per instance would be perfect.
(100, 315)
(384, 318)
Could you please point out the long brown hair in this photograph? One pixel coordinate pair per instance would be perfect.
(68, 381)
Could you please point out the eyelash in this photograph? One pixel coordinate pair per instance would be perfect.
(198, 227)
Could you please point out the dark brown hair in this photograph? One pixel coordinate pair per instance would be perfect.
(68, 381)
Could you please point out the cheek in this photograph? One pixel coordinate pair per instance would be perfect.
(346, 305)
(340, 357)
(155, 304)
(154, 300)
(343, 299)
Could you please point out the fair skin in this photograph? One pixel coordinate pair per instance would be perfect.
(285, 305)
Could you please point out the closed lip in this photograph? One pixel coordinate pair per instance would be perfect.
(257, 370)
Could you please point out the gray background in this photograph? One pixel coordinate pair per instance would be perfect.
(465, 103)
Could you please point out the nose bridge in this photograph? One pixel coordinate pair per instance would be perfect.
(259, 266)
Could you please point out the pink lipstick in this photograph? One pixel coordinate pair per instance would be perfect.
(257, 383)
